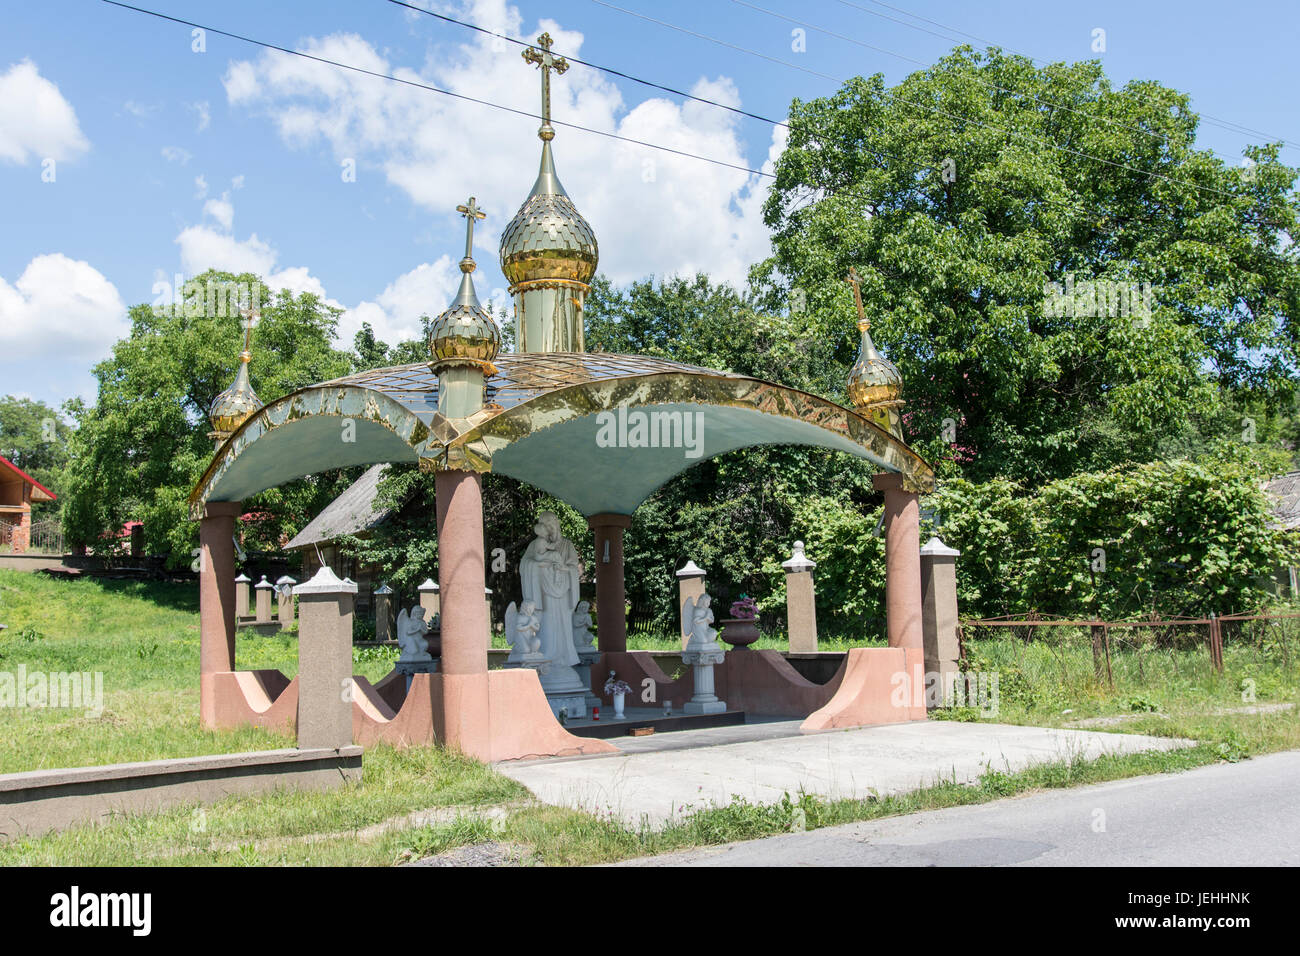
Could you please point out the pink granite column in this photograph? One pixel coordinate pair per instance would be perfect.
(902, 562)
(611, 595)
(461, 580)
(216, 601)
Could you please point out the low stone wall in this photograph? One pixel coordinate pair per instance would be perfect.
(42, 800)
(29, 561)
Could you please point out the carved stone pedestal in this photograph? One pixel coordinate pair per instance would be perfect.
(704, 701)
(564, 690)
(587, 657)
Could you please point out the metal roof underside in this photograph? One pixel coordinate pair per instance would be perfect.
(599, 431)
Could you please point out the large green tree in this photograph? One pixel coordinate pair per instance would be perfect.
(963, 191)
(140, 449)
(35, 438)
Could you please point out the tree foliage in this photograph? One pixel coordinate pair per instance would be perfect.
(140, 449)
(35, 438)
(1058, 177)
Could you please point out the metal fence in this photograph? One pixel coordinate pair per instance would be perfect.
(47, 537)
(1086, 651)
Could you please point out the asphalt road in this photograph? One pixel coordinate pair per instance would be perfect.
(1244, 814)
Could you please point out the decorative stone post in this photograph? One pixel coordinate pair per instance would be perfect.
(429, 598)
(939, 619)
(902, 562)
(241, 596)
(263, 589)
(611, 592)
(284, 599)
(325, 690)
(800, 602)
(690, 584)
(216, 601)
(383, 613)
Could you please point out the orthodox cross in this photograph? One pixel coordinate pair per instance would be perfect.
(471, 212)
(856, 281)
(251, 314)
(547, 62)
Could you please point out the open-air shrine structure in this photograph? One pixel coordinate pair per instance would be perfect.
(598, 431)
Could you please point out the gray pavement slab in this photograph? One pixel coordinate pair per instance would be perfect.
(656, 786)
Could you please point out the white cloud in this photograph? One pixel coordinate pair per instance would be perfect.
(177, 154)
(35, 119)
(395, 313)
(205, 114)
(653, 212)
(200, 186)
(139, 110)
(237, 182)
(60, 309)
(222, 210)
(203, 248)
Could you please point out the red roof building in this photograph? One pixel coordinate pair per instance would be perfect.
(17, 492)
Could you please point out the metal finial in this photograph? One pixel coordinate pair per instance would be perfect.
(856, 281)
(544, 59)
(471, 212)
(251, 312)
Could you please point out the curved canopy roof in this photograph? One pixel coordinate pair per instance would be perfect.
(599, 431)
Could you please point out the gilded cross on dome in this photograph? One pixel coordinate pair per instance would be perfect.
(251, 312)
(543, 58)
(856, 281)
(471, 212)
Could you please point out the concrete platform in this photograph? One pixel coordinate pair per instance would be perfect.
(656, 779)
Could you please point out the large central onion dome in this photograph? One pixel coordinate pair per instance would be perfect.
(548, 239)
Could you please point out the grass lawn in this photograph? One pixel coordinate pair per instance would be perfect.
(143, 637)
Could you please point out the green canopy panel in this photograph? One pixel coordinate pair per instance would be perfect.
(599, 431)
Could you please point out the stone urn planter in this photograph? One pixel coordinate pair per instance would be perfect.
(739, 632)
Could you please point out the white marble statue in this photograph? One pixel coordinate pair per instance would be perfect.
(582, 637)
(698, 615)
(522, 625)
(548, 573)
(702, 652)
(411, 628)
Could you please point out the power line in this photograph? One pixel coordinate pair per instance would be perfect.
(594, 66)
(1230, 125)
(932, 109)
(437, 89)
(982, 82)
(461, 96)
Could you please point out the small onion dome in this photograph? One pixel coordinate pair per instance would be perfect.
(548, 239)
(236, 404)
(874, 381)
(466, 334)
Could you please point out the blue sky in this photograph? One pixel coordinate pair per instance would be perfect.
(168, 160)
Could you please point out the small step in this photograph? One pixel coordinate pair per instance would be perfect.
(637, 717)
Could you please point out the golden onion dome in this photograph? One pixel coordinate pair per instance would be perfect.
(235, 405)
(466, 333)
(873, 380)
(548, 239)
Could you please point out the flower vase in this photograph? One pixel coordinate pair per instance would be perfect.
(739, 632)
(618, 706)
